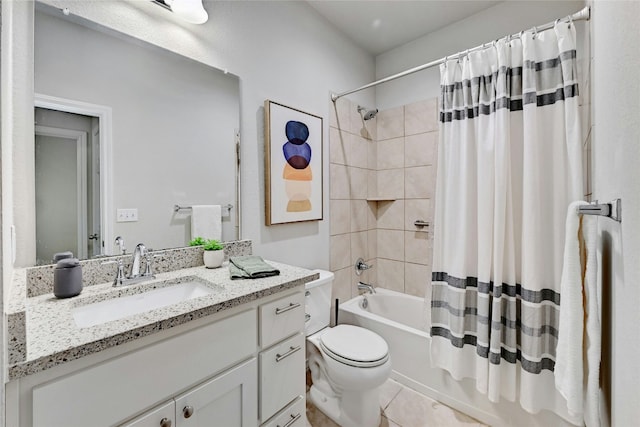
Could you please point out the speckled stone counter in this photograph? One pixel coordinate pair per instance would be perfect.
(52, 337)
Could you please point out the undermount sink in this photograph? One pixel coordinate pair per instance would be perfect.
(121, 307)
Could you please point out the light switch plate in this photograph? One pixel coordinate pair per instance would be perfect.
(127, 215)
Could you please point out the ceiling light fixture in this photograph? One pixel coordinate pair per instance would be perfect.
(190, 10)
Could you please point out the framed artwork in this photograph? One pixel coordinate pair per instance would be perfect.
(293, 165)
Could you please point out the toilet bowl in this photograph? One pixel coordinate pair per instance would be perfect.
(348, 363)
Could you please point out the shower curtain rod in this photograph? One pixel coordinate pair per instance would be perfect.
(582, 15)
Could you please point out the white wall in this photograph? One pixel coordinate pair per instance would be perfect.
(505, 18)
(616, 156)
(283, 51)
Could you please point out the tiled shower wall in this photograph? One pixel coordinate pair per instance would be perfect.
(382, 179)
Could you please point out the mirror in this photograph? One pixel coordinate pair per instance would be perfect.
(163, 134)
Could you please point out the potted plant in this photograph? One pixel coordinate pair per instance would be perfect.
(213, 253)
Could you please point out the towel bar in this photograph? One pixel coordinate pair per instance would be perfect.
(177, 208)
(611, 210)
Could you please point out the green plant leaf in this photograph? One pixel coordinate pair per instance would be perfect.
(198, 241)
(213, 245)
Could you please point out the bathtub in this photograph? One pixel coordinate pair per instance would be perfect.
(404, 322)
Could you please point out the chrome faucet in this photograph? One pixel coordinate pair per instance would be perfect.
(140, 251)
(135, 276)
(366, 287)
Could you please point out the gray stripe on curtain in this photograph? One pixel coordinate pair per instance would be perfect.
(534, 367)
(486, 288)
(469, 98)
(466, 307)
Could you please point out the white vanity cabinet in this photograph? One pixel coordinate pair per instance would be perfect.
(282, 359)
(229, 399)
(242, 366)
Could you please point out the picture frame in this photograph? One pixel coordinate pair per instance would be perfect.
(293, 165)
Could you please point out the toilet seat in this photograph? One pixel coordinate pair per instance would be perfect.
(355, 346)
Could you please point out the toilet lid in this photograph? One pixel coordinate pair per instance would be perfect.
(355, 344)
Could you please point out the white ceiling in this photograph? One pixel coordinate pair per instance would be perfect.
(378, 26)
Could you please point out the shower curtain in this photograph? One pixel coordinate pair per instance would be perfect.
(509, 164)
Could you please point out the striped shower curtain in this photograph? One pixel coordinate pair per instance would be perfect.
(509, 165)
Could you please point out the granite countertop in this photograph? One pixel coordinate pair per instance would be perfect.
(52, 337)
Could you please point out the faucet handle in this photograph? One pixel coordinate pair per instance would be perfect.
(119, 273)
(120, 242)
(149, 257)
(361, 266)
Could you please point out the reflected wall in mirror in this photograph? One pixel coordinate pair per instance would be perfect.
(172, 136)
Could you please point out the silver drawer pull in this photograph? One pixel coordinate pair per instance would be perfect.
(293, 419)
(292, 350)
(291, 306)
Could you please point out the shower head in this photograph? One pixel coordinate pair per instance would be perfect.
(368, 114)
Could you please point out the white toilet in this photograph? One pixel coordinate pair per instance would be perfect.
(348, 363)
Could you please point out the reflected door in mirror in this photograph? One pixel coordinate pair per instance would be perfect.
(66, 178)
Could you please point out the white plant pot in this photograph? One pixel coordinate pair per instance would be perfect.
(213, 259)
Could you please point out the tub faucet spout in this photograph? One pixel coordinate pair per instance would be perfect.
(366, 287)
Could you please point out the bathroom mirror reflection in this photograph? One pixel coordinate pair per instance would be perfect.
(171, 140)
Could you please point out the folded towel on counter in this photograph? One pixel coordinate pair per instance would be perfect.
(250, 267)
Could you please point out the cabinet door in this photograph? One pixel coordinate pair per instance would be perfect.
(161, 416)
(281, 375)
(228, 400)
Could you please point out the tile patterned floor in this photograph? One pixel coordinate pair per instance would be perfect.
(403, 407)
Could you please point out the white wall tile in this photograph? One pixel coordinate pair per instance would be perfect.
(419, 182)
(420, 149)
(340, 251)
(415, 209)
(391, 215)
(421, 117)
(390, 274)
(417, 247)
(340, 216)
(359, 215)
(358, 154)
(339, 182)
(391, 183)
(417, 278)
(390, 123)
(391, 153)
(359, 246)
(338, 143)
(358, 182)
(372, 241)
(391, 244)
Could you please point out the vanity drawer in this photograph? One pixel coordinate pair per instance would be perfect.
(282, 376)
(292, 416)
(281, 318)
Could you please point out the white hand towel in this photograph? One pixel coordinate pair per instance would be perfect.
(206, 222)
(569, 368)
(593, 340)
(577, 369)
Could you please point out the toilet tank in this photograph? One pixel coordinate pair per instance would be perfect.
(318, 302)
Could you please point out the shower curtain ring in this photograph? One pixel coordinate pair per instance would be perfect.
(535, 32)
(570, 21)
